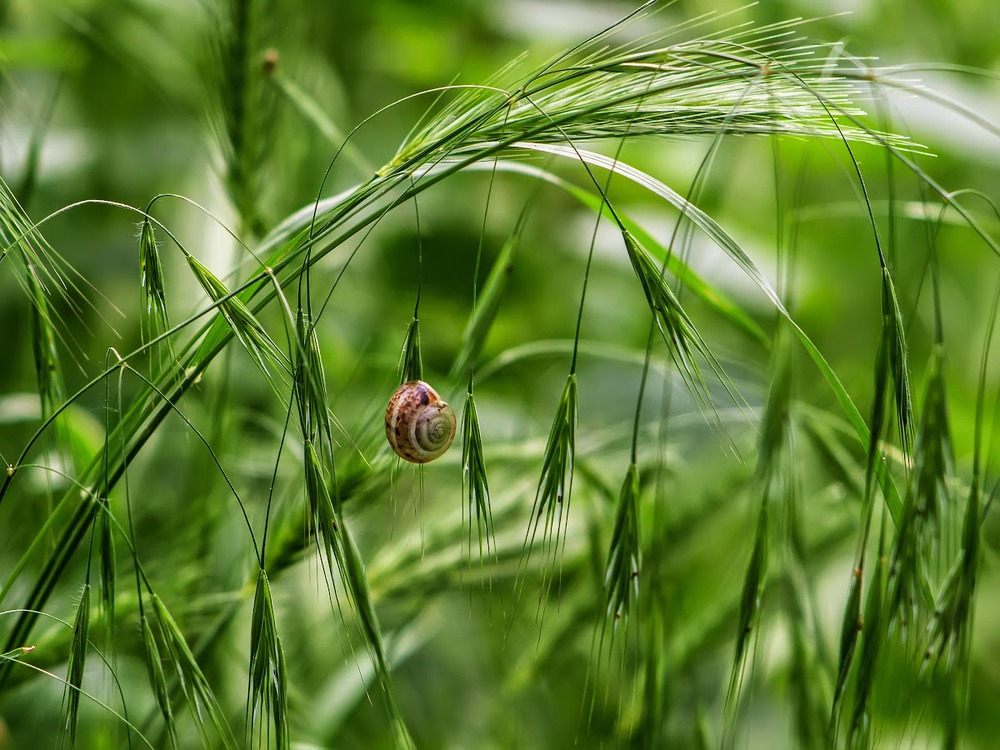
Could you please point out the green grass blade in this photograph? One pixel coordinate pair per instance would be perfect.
(353, 574)
(850, 628)
(872, 640)
(311, 390)
(487, 307)
(713, 297)
(154, 319)
(776, 421)
(948, 634)
(74, 671)
(678, 331)
(204, 706)
(310, 393)
(808, 672)
(341, 554)
(412, 364)
(894, 330)
(891, 384)
(48, 372)
(241, 321)
(315, 113)
(323, 523)
(918, 541)
(157, 678)
(753, 585)
(748, 618)
(106, 548)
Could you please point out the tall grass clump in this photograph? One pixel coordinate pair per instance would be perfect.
(719, 346)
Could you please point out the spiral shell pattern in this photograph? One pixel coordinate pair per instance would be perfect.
(418, 424)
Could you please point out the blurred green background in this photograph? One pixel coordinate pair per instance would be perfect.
(112, 100)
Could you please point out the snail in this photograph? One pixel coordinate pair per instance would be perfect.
(418, 424)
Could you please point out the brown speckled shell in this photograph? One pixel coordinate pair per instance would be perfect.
(418, 424)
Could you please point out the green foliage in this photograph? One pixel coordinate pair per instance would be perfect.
(711, 251)
(74, 671)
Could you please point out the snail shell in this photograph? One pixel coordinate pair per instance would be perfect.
(418, 424)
